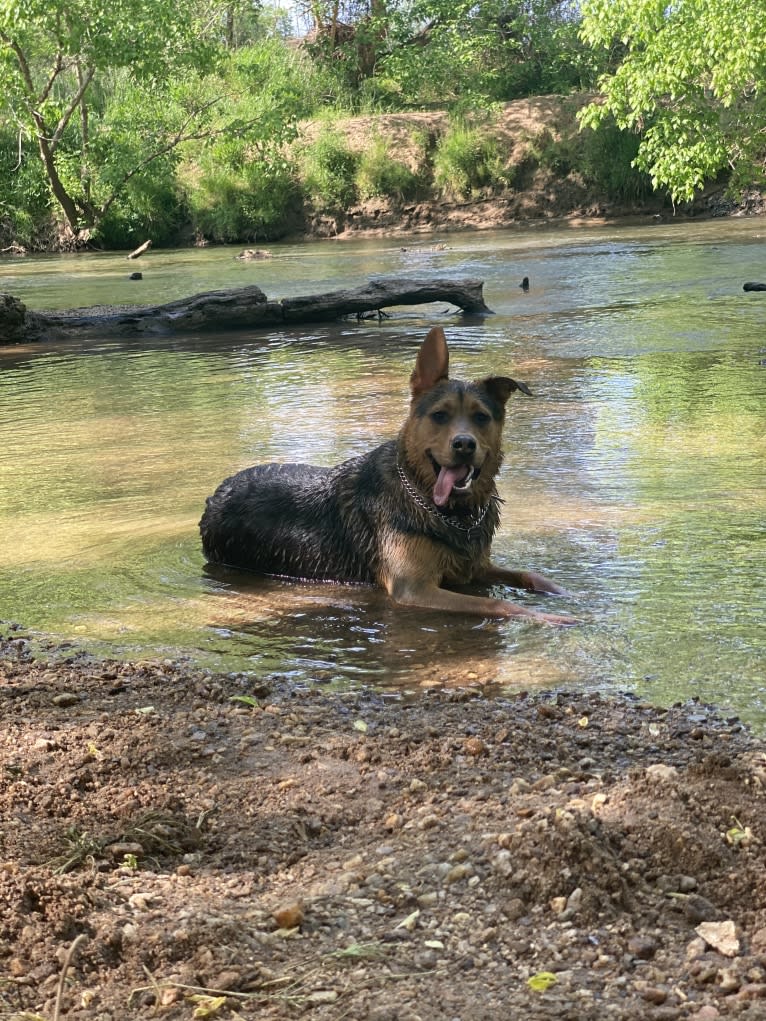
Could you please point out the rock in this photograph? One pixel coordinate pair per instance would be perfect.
(654, 994)
(661, 773)
(122, 848)
(721, 936)
(642, 947)
(699, 909)
(66, 698)
(289, 916)
(474, 746)
(249, 254)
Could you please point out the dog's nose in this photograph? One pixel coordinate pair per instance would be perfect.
(464, 444)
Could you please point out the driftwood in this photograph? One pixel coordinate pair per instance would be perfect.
(236, 309)
(750, 286)
(140, 250)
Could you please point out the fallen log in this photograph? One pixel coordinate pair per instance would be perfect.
(140, 250)
(239, 308)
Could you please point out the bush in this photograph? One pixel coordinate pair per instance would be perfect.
(607, 159)
(254, 201)
(379, 175)
(329, 171)
(466, 160)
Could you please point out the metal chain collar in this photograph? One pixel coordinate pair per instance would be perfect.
(452, 521)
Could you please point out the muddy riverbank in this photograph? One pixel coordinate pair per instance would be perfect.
(234, 845)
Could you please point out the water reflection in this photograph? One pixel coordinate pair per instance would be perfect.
(634, 477)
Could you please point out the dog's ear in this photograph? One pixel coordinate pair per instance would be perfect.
(501, 388)
(432, 363)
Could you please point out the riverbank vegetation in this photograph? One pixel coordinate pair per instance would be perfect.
(207, 121)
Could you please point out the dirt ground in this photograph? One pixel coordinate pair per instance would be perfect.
(178, 844)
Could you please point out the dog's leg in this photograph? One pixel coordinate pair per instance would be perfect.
(531, 581)
(432, 597)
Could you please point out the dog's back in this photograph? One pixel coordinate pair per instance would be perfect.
(299, 520)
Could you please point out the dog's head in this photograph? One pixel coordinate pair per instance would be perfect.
(452, 438)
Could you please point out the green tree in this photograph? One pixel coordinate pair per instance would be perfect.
(57, 60)
(422, 52)
(691, 81)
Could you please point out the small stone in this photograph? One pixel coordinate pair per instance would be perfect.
(642, 947)
(16, 967)
(573, 904)
(728, 981)
(229, 980)
(474, 746)
(123, 848)
(661, 773)
(141, 901)
(322, 996)
(502, 863)
(752, 991)
(428, 900)
(654, 994)
(66, 698)
(290, 916)
(721, 936)
(458, 872)
(699, 909)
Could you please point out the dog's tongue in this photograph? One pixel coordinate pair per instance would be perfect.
(446, 480)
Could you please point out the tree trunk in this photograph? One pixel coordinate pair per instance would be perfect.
(240, 308)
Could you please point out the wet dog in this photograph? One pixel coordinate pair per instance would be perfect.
(415, 516)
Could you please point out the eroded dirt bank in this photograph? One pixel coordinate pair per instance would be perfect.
(305, 852)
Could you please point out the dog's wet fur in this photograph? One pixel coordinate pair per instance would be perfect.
(415, 516)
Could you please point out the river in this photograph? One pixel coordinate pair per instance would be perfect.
(635, 477)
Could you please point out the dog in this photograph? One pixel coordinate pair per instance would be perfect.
(415, 516)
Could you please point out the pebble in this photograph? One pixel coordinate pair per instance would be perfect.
(461, 871)
(654, 994)
(289, 916)
(66, 698)
(642, 947)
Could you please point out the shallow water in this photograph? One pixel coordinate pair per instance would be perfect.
(635, 477)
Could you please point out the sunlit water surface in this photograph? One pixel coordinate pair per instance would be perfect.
(635, 477)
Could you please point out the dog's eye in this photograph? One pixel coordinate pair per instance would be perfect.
(440, 417)
(482, 418)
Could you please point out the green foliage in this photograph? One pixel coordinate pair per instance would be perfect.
(494, 50)
(467, 159)
(24, 202)
(329, 171)
(379, 175)
(607, 160)
(692, 81)
(255, 201)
